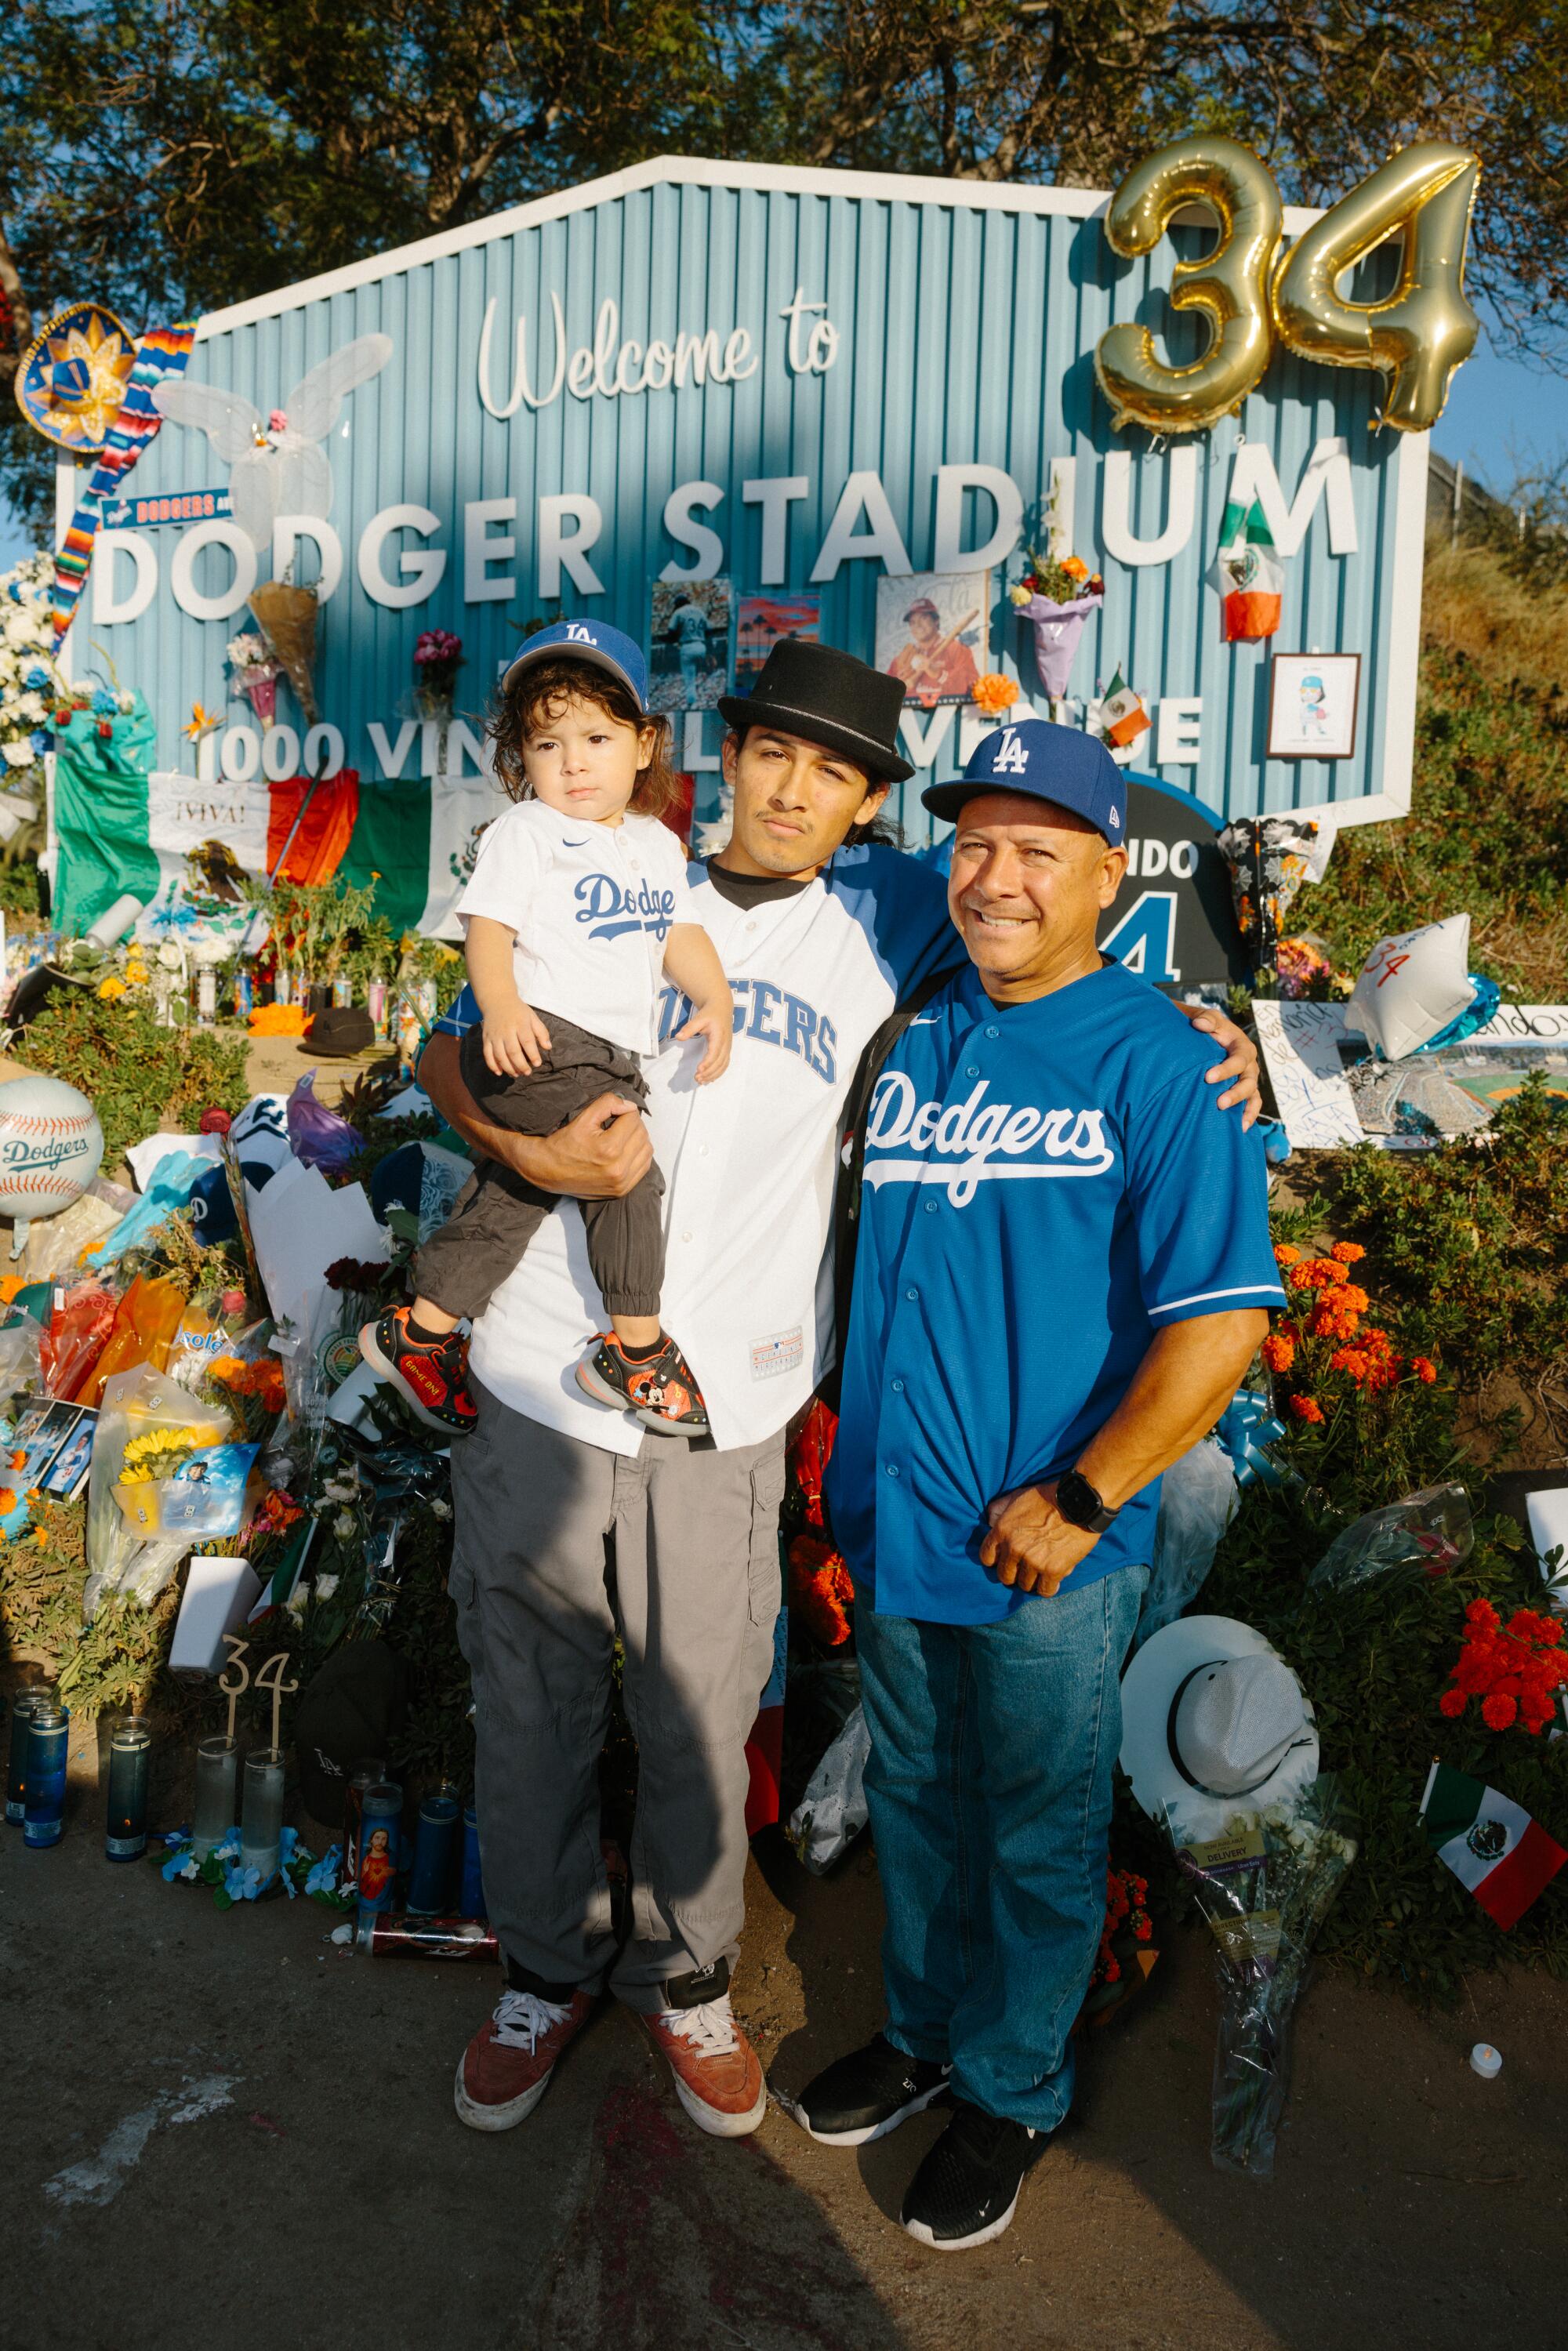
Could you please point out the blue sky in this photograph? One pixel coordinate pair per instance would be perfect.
(1498, 409)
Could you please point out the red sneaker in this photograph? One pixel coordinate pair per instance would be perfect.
(504, 2071)
(659, 1388)
(717, 2077)
(432, 1379)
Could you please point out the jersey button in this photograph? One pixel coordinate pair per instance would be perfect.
(993, 1033)
(930, 1207)
(893, 1468)
(686, 1236)
(912, 1294)
(898, 1387)
(973, 1071)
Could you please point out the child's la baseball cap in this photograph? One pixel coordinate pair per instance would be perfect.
(585, 640)
(1043, 762)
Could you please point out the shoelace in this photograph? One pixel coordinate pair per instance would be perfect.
(522, 2019)
(710, 2027)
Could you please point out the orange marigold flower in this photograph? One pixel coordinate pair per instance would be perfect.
(8, 1498)
(1279, 1352)
(1425, 1369)
(1301, 1278)
(18, 1461)
(1354, 1298)
(1351, 1360)
(1284, 1254)
(1498, 1710)
(1451, 1703)
(1306, 1407)
(1330, 1272)
(1348, 1252)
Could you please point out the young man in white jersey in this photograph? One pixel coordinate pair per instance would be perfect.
(819, 939)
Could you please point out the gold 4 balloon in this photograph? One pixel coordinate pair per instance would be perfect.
(1253, 294)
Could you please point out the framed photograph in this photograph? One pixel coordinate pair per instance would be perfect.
(1313, 700)
(764, 619)
(691, 624)
(931, 632)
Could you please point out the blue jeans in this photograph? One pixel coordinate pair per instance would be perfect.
(990, 1789)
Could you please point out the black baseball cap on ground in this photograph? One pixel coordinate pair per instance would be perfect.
(350, 1710)
(340, 1031)
(831, 698)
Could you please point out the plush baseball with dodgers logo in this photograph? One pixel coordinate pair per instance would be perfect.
(51, 1147)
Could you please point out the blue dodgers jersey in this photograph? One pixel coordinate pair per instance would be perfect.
(1046, 1184)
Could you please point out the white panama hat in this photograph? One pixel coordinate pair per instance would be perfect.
(1214, 1723)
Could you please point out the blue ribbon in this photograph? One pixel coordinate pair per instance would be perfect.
(1248, 1427)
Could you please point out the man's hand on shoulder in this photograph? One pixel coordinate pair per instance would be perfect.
(1240, 1062)
(1030, 1545)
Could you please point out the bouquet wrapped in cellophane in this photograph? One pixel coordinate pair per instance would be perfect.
(1264, 1884)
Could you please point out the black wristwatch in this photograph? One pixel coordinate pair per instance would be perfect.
(1080, 1505)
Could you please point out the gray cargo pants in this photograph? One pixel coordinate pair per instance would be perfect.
(692, 1586)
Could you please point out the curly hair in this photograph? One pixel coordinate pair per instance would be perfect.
(541, 695)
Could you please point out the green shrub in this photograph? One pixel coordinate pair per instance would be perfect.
(134, 1072)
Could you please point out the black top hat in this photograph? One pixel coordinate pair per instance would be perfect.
(831, 698)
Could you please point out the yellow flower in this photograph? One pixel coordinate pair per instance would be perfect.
(111, 988)
(136, 975)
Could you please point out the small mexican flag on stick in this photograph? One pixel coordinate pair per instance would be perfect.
(1121, 714)
(1248, 575)
(1488, 1843)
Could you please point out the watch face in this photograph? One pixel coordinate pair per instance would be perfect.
(1076, 1500)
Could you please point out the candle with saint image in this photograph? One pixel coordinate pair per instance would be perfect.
(130, 1748)
(380, 1814)
(261, 1815)
(216, 1773)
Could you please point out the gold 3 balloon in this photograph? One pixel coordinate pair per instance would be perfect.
(1253, 295)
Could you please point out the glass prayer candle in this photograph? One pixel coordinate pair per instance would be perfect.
(130, 1746)
(217, 1808)
(261, 1816)
(44, 1801)
(380, 1815)
(21, 1710)
(368, 1774)
(434, 1849)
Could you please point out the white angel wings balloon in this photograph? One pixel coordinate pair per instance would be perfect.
(277, 467)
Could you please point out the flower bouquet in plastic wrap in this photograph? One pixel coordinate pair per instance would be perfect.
(1056, 597)
(1264, 1884)
(165, 1477)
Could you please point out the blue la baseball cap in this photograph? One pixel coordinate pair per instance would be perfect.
(587, 641)
(1043, 763)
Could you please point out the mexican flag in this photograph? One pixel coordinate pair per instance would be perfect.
(1248, 575)
(1490, 1846)
(1122, 715)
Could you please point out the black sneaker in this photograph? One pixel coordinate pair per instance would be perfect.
(431, 1377)
(659, 1388)
(967, 2189)
(866, 2095)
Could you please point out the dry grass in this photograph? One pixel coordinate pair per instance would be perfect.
(1470, 606)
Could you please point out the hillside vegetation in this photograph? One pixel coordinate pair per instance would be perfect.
(1488, 831)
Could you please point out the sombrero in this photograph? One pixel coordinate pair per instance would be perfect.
(74, 376)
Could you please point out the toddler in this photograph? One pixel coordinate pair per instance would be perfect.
(575, 913)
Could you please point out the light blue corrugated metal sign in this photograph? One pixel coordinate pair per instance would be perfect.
(781, 377)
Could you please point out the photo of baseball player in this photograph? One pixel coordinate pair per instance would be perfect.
(931, 633)
(691, 624)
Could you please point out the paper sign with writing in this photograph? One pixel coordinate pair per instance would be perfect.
(1301, 1046)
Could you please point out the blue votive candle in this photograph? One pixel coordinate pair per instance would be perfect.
(44, 1802)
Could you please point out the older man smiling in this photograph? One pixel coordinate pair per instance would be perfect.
(1064, 1270)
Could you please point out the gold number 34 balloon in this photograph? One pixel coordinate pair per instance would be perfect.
(1420, 333)
(1416, 336)
(1230, 284)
